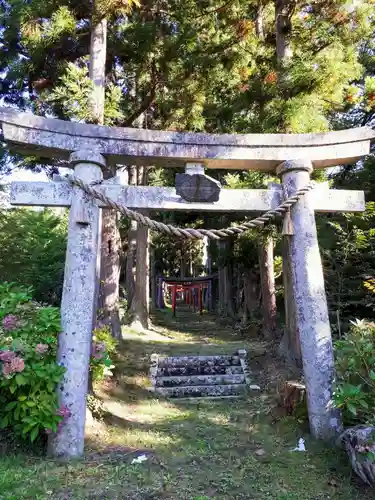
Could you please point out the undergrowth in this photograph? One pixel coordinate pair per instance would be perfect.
(229, 449)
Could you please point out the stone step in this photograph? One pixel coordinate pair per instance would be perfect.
(178, 361)
(200, 380)
(198, 399)
(197, 370)
(202, 391)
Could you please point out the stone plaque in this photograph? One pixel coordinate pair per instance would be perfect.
(197, 187)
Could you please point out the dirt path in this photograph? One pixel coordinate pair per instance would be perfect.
(228, 449)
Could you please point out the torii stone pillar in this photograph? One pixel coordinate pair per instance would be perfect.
(311, 310)
(78, 306)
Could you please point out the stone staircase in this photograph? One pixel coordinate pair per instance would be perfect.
(200, 376)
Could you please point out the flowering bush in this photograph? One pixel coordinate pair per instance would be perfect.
(29, 373)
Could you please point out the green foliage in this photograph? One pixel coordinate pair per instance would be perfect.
(172, 254)
(29, 372)
(73, 92)
(348, 251)
(103, 348)
(355, 367)
(32, 251)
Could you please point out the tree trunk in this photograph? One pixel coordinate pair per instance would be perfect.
(132, 176)
(108, 303)
(259, 28)
(290, 344)
(238, 289)
(130, 263)
(221, 290)
(251, 295)
(290, 347)
(153, 279)
(283, 13)
(110, 272)
(132, 246)
(228, 292)
(140, 303)
(98, 53)
(225, 279)
(267, 284)
(183, 265)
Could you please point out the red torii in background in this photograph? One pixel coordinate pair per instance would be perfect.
(188, 285)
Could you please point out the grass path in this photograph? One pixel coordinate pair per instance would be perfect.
(230, 449)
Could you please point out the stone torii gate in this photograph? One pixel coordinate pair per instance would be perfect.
(89, 148)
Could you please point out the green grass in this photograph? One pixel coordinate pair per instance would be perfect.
(196, 450)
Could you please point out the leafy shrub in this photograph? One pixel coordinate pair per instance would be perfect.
(103, 347)
(32, 251)
(355, 368)
(29, 373)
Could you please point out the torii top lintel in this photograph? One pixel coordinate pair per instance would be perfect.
(26, 133)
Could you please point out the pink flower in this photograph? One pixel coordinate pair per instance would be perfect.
(17, 364)
(64, 412)
(10, 322)
(11, 363)
(7, 356)
(98, 350)
(6, 369)
(41, 348)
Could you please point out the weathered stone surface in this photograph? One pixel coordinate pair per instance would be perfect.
(27, 133)
(197, 188)
(200, 376)
(242, 353)
(202, 369)
(311, 305)
(158, 198)
(77, 309)
(201, 391)
(200, 380)
(323, 199)
(198, 361)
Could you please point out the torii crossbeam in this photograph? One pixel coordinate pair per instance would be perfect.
(90, 148)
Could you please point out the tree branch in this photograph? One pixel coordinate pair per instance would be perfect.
(147, 101)
(213, 11)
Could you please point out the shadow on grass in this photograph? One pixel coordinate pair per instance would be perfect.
(220, 449)
(201, 326)
(234, 451)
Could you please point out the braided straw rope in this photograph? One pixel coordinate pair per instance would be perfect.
(191, 233)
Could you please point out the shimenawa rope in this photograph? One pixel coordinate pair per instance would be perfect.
(192, 233)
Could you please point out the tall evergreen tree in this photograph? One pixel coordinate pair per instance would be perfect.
(203, 66)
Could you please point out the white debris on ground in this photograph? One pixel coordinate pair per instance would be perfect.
(140, 459)
(300, 446)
